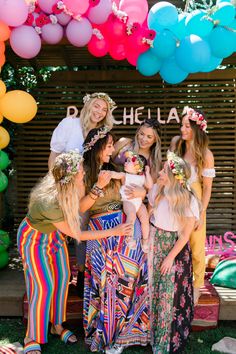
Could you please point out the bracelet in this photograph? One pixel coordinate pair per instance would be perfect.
(94, 195)
(97, 191)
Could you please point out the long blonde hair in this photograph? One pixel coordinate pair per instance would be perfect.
(85, 113)
(51, 190)
(178, 195)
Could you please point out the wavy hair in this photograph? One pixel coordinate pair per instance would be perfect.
(199, 145)
(155, 153)
(50, 190)
(85, 115)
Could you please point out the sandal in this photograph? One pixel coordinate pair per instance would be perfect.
(31, 347)
(65, 336)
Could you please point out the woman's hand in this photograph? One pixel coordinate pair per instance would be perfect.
(124, 230)
(104, 178)
(199, 223)
(166, 265)
(135, 191)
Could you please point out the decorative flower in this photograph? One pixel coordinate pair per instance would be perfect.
(30, 20)
(56, 9)
(102, 132)
(42, 20)
(73, 161)
(102, 96)
(198, 118)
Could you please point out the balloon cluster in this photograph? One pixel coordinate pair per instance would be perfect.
(159, 40)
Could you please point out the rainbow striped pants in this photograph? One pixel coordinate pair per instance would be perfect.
(46, 268)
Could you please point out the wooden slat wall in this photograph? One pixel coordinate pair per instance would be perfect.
(214, 92)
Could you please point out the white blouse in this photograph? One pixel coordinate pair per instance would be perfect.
(206, 172)
(67, 136)
(162, 216)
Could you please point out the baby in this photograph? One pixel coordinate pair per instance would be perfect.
(134, 168)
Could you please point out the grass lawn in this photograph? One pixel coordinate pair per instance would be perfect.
(12, 330)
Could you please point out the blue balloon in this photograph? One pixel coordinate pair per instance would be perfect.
(224, 13)
(162, 14)
(148, 64)
(222, 42)
(171, 72)
(164, 44)
(179, 28)
(214, 62)
(197, 23)
(193, 53)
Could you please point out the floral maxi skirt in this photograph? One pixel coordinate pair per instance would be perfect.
(171, 295)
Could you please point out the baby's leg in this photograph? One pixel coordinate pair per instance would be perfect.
(143, 216)
(130, 211)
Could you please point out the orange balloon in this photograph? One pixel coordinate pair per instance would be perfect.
(4, 31)
(2, 47)
(1, 118)
(4, 138)
(2, 88)
(18, 106)
(2, 60)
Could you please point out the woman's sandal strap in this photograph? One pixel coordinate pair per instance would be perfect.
(65, 335)
(32, 346)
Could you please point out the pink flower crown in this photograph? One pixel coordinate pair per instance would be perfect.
(134, 157)
(102, 132)
(198, 118)
(174, 162)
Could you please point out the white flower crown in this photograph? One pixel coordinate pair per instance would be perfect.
(102, 96)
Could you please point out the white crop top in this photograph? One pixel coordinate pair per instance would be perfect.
(67, 136)
(206, 172)
(162, 216)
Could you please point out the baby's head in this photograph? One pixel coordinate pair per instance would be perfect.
(134, 163)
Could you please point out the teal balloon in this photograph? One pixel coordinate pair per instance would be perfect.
(225, 13)
(222, 42)
(4, 160)
(171, 72)
(148, 64)
(162, 14)
(3, 181)
(197, 23)
(164, 44)
(4, 240)
(214, 62)
(192, 54)
(4, 259)
(179, 29)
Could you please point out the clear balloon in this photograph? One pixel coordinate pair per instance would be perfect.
(4, 138)
(18, 106)
(13, 12)
(25, 41)
(77, 7)
(52, 33)
(80, 32)
(99, 14)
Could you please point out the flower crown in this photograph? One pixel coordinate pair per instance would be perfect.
(198, 118)
(73, 160)
(135, 158)
(102, 132)
(102, 96)
(174, 163)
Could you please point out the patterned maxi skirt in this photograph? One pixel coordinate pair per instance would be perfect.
(171, 295)
(116, 306)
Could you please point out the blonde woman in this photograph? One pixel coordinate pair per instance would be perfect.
(53, 212)
(174, 213)
(192, 145)
(71, 131)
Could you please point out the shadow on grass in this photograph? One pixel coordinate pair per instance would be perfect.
(13, 330)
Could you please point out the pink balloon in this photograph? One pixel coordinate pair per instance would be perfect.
(52, 33)
(115, 29)
(46, 5)
(63, 18)
(98, 47)
(117, 51)
(99, 14)
(135, 42)
(25, 41)
(77, 7)
(13, 12)
(79, 33)
(136, 10)
(132, 57)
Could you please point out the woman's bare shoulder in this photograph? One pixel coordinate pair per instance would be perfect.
(208, 159)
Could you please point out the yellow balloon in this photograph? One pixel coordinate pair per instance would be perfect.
(2, 88)
(1, 118)
(18, 106)
(4, 138)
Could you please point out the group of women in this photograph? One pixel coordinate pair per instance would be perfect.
(130, 297)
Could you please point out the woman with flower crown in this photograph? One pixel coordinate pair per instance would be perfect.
(174, 210)
(116, 312)
(53, 211)
(192, 145)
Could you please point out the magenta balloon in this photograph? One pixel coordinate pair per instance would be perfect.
(25, 41)
(80, 32)
(52, 33)
(115, 29)
(46, 5)
(136, 10)
(77, 7)
(98, 47)
(132, 57)
(100, 13)
(13, 12)
(63, 18)
(117, 51)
